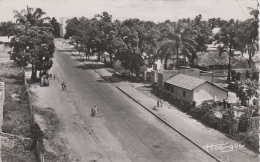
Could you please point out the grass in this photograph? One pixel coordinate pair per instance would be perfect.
(52, 122)
(51, 134)
(15, 155)
(16, 115)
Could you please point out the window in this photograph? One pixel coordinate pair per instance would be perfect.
(183, 94)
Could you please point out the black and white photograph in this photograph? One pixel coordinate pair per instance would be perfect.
(129, 81)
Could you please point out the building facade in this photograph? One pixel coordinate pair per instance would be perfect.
(195, 89)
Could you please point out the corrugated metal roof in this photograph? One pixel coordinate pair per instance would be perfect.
(185, 81)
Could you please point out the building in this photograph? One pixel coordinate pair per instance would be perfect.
(4, 43)
(63, 25)
(195, 89)
(160, 76)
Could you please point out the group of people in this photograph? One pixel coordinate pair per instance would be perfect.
(52, 76)
(159, 104)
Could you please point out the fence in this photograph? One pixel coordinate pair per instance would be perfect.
(220, 73)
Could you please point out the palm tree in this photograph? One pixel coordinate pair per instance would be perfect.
(30, 17)
(175, 38)
(251, 34)
(227, 36)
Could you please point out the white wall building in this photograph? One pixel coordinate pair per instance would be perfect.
(195, 89)
(63, 25)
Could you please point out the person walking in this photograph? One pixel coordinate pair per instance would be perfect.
(63, 86)
(160, 102)
(95, 110)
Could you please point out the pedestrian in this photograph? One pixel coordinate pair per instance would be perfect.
(53, 76)
(95, 110)
(63, 86)
(50, 76)
(158, 103)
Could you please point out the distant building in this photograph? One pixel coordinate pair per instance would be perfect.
(4, 43)
(63, 25)
(195, 89)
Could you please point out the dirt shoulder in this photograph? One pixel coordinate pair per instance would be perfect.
(66, 136)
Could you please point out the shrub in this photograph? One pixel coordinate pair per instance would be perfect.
(233, 75)
(238, 76)
(228, 121)
(247, 74)
(210, 119)
(243, 123)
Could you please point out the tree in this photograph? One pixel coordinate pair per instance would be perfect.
(251, 35)
(227, 36)
(56, 27)
(33, 42)
(71, 27)
(246, 90)
(7, 28)
(203, 33)
(177, 37)
(108, 33)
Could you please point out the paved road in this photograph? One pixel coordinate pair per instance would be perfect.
(123, 130)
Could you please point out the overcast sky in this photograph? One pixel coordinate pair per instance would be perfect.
(152, 10)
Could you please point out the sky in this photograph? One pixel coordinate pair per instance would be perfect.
(148, 10)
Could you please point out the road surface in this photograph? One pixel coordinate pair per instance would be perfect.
(123, 130)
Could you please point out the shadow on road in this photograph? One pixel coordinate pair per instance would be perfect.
(91, 66)
(111, 79)
(67, 51)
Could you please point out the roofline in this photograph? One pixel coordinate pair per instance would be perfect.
(201, 84)
(217, 86)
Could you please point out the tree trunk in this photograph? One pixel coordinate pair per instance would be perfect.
(99, 55)
(111, 59)
(229, 63)
(88, 53)
(165, 62)
(244, 101)
(177, 58)
(34, 72)
(250, 58)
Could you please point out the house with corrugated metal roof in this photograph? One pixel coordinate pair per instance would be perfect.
(194, 89)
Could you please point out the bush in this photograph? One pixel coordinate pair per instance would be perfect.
(233, 75)
(243, 123)
(238, 76)
(210, 119)
(228, 121)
